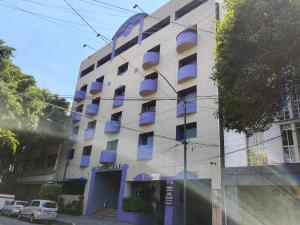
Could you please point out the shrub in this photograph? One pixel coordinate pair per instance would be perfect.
(136, 204)
(50, 192)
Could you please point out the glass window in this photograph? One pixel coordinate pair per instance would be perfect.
(92, 124)
(112, 145)
(146, 139)
(289, 153)
(149, 106)
(87, 150)
(50, 205)
(256, 153)
(191, 131)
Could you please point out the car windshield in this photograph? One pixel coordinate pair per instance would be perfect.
(51, 205)
(21, 203)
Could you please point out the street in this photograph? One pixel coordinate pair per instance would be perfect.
(14, 221)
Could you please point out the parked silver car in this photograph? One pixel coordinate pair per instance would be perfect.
(39, 210)
(11, 208)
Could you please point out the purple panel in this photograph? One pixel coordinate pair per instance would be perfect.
(147, 118)
(122, 191)
(187, 72)
(112, 127)
(144, 152)
(108, 156)
(118, 100)
(168, 215)
(73, 138)
(148, 87)
(96, 87)
(79, 96)
(91, 109)
(89, 204)
(190, 175)
(142, 177)
(85, 161)
(185, 40)
(191, 107)
(150, 59)
(89, 134)
(76, 117)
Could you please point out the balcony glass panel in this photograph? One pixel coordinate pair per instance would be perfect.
(150, 59)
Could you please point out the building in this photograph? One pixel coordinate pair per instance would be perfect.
(128, 126)
(263, 171)
(40, 162)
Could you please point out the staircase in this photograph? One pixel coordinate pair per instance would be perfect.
(106, 213)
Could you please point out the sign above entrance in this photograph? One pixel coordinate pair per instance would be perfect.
(109, 168)
(169, 193)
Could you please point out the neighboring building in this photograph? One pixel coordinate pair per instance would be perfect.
(263, 171)
(123, 146)
(40, 162)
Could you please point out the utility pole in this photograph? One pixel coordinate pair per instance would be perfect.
(185, 164)
(64, 177)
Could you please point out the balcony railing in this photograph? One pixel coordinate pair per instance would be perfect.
(147, 118)
(108, 156)
(118, 100)
(89, 134)
(150, 59)
(96, 87)
(186, 40)
(148, 87)
(76, 117)
(187, 72)
(85, 161)
(144, 152)
(73, 138)
(79, 95)
(112, 127)
(191, 107)
(91, 109)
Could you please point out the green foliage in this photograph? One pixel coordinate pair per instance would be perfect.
(257, 61)
(73, 208)
(137, 204)
(50, 191)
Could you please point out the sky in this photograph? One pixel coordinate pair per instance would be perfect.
(48, 36)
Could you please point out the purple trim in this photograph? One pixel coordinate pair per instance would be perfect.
(147, 118)
(108, 156)
(91, 109)
(187, 72)
(142, 177)
(168, 215)
(73, 138)
(150, 59)
(112, 127)
(120, 211)
(191, 107)
(186, 40)
(85, 161)
(190, 175)
(89, 134)
(89, 203)
(76, 117)
(140, 38)
(148, 87)
(118, 100)
(79, 95)
(96, 87)
(144, 152)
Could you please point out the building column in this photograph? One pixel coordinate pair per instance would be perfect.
(90, 198)
(169, 201)
(122, 191)
(231, 205)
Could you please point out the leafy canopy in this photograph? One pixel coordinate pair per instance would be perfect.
(257, 61)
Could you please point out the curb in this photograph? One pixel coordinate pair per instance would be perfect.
(58, 222)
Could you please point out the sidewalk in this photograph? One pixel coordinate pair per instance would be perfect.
(63, 219)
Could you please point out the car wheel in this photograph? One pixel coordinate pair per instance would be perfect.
(31, 219)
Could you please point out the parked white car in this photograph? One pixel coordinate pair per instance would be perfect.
(11, 208)
(4, 198)
(39, 210)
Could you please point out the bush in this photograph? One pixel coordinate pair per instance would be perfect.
(50, 192)
(73, 208)
(136, 204)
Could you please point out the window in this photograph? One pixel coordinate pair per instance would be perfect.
(112, 145)
(51, 160)
(92, 124)
(190, 94)
(75, 130)
(87, 70)
(116, 116)
(87, 150)
(155, 49)
(50, 205)
(191, 131)
(149, 106)
(126, 46)
(146, 138)
(192, 59)
(160, 25)
(96, 101)
(257, 155)
(295, 97)
(289, 153)
(217, 9)
(187, 8)
(73, 189)
(285, 113)
(104, 60)
(35, 203)
(70, 154)
(122, 69)
(152, 76)
(100, 79)
(120, 91)
(83, 88)
(79, 108)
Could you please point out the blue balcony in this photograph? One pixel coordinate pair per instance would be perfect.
(147, 118)
(191, 107)
(118, 100)
(91, 109)
(144, 152)
(150, 59)
(76, 117)
(85, 161)
(112, 127)
(88, 134)
(79, 96)
(108, 156)
(73, 138)
(148, 87)
(186, 40)
(187, 72)
(96, 87)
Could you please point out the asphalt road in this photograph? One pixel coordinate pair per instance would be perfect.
(13, 221)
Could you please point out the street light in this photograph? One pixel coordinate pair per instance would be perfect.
(86, 45)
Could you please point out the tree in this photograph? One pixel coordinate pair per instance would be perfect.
(50, 192)
(257, 61)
